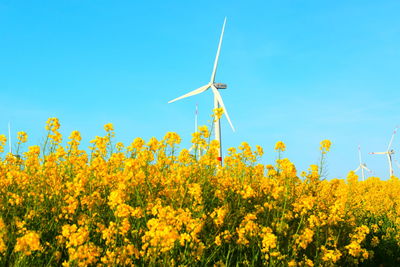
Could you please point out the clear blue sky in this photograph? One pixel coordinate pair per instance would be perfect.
(297, 71)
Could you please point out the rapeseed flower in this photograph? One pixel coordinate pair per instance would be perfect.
(280, 146)
(150, 203)
(218, 112)
(325, 146)
(22, 137)
(28, 243)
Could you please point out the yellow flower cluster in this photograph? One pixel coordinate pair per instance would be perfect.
(149, 204)
(3, 236)
(325, 146)
(280, 146)
(3, 141)
(357, 238)
(218, 112)
(52, 127)
(28, 243)
(22, 137)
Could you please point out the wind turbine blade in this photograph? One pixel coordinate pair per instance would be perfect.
(219, 99)
(356, 170)
(378, 153)
(366, 168)
(391, 140)
(192, 93)
(359, 154)
(218, 51)
(397, 163)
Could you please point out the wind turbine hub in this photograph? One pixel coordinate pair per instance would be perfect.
(220, 85)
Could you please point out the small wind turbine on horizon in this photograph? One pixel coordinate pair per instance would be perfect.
(362, 165)
(389, 152)
(194, 146)
(218, 102)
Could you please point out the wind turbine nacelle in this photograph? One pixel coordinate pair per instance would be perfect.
(220, 85)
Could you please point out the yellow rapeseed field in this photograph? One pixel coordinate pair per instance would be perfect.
(152, 204)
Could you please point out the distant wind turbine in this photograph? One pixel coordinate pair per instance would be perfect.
(194, 146)
(389, 152)
(218, 102)
(362, 165)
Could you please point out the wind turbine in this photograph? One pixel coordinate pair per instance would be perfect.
(218, 102)
(362, 166)
(389, 152)
(194, 146)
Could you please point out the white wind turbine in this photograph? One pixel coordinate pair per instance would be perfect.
(194, 146)
(218, 102)
(362, 165)
(389, 152)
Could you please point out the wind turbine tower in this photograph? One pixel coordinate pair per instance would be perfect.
(218, 102)
(362, 165)
(389, 152)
